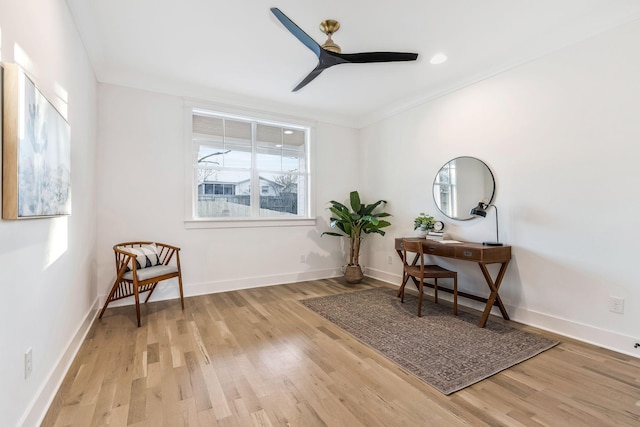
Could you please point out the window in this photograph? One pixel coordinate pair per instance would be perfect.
(247, 168)
(445, 188)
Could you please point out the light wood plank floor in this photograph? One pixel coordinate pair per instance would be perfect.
(258, 358)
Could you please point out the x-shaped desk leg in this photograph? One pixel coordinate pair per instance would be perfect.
(493, 297)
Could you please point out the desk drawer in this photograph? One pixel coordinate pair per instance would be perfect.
(439, 249)
(467, 253)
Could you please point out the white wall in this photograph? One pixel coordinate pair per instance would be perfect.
(560, 134)
(141, 190)
(47, 273)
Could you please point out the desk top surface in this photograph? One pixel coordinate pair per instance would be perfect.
(469, 251)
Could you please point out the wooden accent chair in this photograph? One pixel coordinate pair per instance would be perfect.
(139, 268)
(420, 272)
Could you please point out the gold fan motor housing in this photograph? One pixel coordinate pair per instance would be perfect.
(329, 27)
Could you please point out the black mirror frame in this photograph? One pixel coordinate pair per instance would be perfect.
(475, 201)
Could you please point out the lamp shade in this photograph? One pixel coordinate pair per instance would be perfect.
(480, 210)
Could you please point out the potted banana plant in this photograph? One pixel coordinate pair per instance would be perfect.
(354, 223)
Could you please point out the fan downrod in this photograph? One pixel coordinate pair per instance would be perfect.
(330, 26)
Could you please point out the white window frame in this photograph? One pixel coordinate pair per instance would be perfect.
(192, 221)
(451, 185)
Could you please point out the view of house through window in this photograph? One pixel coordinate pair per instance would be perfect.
(445, 188)
(247, 168)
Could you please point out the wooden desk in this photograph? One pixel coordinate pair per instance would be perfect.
(475, 252)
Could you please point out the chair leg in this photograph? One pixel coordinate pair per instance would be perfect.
(153, 288)
(435, 289)
(115, 286)
(181, 296)
(455, 294)
(420, 297)
(137, 296)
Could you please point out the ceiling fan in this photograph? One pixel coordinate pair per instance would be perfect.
(329, 54)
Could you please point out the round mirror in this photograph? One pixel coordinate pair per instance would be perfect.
(460, 184)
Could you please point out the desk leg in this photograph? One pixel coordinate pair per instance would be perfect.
(493, 297)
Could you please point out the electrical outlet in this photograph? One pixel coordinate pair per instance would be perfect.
(28, 363)
(390, 260)
(616, 304)
(301, 258)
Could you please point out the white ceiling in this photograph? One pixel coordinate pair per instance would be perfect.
(238, 52)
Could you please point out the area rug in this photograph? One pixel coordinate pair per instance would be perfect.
(448, 352)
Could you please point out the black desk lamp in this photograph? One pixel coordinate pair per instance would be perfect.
(481, 210)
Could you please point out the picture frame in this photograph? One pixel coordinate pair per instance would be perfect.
(36, 151)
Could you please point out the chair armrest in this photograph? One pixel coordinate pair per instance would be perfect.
(125, 252)
(175, 248)
(166, 253)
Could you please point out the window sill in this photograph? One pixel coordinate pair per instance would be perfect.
(249, 223)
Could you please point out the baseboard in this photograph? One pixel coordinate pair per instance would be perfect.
(212, 287)
(39, 406)
(385, 276)
(579, 331)
(258, 282)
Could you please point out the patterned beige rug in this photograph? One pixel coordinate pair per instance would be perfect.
(446, 351)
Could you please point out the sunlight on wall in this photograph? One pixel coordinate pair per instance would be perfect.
(21, 58)
(58, 241)
(54, 92)
(63, 96)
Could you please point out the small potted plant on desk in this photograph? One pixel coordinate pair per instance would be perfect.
(354, 224)
(423, 223)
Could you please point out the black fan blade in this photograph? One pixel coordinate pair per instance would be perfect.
(296, 31)
(328, 59)
(312, 75)
(364, 57)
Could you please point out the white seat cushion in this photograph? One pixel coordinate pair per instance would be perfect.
(150, 272)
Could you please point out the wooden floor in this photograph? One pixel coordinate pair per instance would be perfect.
(258, 358)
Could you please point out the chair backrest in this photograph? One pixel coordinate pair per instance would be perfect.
(415, 247)
(163, 251)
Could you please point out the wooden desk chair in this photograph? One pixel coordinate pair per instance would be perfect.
(420, 271)
(139, 268)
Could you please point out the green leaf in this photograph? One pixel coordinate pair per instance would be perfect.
(329, 233)
(338, 205)
(355, 201)
(346, 227)
(370, 208)
(341, 214)
(340, 226)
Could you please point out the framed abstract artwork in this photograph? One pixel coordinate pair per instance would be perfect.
(36, 151)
